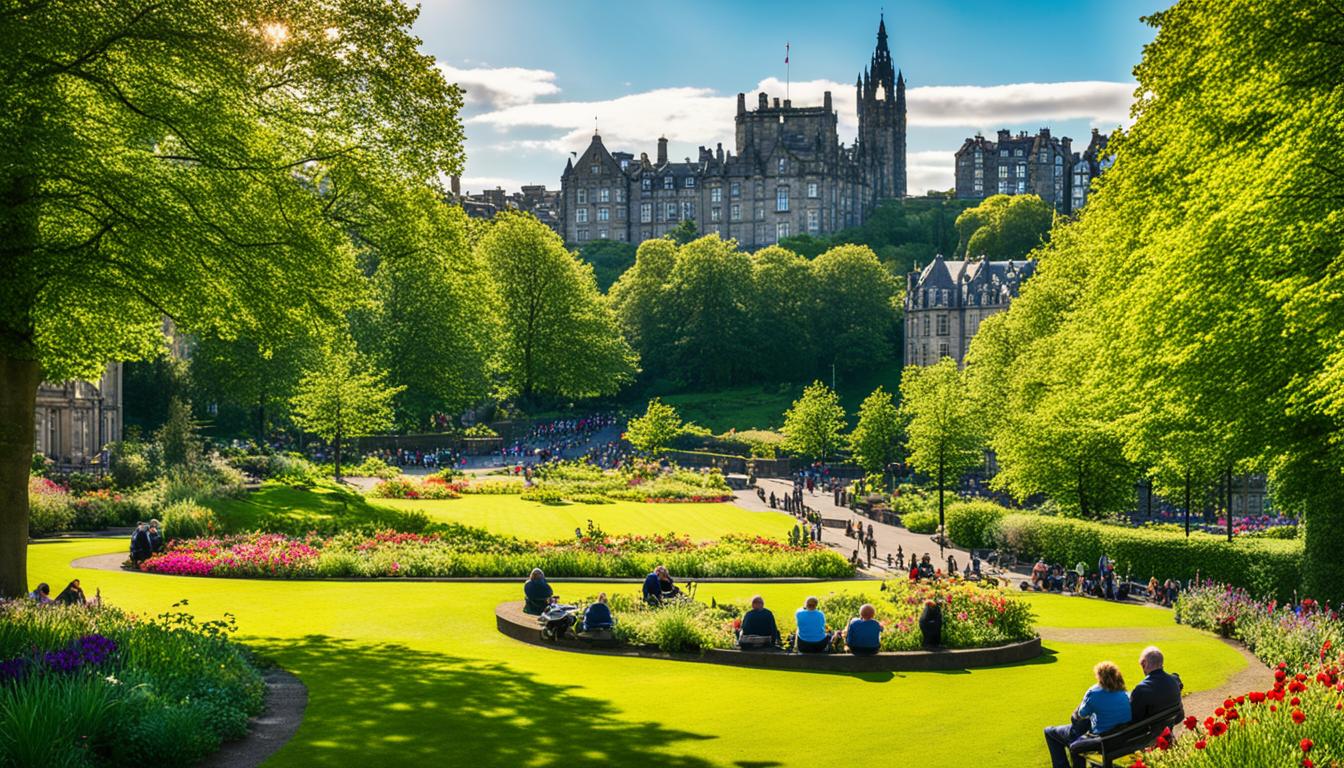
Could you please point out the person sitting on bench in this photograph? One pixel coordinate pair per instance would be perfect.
(597, 615)
(863, 636)
(537, 593)
(758, 626)
(812, 634)
(1105, 707)
(1158, 691)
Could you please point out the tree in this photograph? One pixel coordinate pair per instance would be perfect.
(640, 298)
(610, 259)
(560, 336)
(179, 446)
(813, 424)
(944, 436)
(343, 397)
(245, 376)
(684, 232)
(1004, 227)
(856, 308)
(782, 307)
(656, 429)
(709, 304)
(205, 161)
(876, 439)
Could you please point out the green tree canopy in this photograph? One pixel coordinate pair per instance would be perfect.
(341, 397)
(560, 336)
(812, 426)
(709, 298)
(205, 161)
(684, 232)
(944, 432)
(1004, 227)
(783, 308)
(656, 429)
(876, 439)
(856, 308)
(609, 258)
(639, 298)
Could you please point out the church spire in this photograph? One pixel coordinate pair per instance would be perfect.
(883, 72)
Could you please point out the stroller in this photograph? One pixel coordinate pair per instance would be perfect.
(556, 621)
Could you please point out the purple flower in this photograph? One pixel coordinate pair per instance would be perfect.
(96, 648)
(13, 669)
(66, 660)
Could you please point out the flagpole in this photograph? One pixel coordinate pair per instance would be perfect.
(787, 79)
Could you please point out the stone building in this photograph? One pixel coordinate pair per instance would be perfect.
(1016, 165)
(535, 199)
(1089, 166)
(75, 419)
(946, 301)
(789, 173)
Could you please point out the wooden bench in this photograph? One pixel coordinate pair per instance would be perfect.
(1127, 740)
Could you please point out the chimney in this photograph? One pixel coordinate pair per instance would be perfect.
(826, 101)
(662, 151)
(788, 104)
(1066, 144)
(764, 101)
(1004, 134)
(1045, 133)
(776, 102)
(455, 184)
(741, 103)
(718, 153)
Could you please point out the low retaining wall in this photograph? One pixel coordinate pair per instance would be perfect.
(511, 621)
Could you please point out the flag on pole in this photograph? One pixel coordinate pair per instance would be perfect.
(786, 53)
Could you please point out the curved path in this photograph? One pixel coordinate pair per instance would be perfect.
(286, 700)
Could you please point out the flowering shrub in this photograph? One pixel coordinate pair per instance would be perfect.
(49, 507)
(95, 686)
(1273, 631)
(642, 481)
(1298, 721)
(432, 487)
(462, 551)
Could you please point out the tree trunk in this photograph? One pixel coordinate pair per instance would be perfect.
(261, 419)
(18, 397)
(336, 453)
(941, 519)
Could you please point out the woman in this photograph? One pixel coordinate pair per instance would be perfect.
(1104, 708)
(71, 595)
(812, 634)
(537, 593)
(598, 615)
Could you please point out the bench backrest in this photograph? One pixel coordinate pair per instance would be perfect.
(1140, 735)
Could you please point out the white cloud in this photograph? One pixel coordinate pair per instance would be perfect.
(502, 87)
(929, 170)
(1103, 103)
(482, 183)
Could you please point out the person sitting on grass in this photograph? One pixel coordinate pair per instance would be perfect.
(537, 593)
(1038, 572)
(659, 587)
(812, 634)
(41, 595)
(864, 634)
(598, 615)
(758, 626)
(72, 595)
(1104, 708)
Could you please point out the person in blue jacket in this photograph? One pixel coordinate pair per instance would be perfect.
(658, 586)
(598, 615)
(536, 593)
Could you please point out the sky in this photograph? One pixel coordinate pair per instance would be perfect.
(539, 76)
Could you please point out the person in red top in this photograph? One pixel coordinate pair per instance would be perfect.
(914, 572)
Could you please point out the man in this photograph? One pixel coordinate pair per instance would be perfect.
(1038, 572)
(863, 635)
(1158, 691)
(758, 628)
(141, 546)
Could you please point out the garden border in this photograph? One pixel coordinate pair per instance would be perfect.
(512, 622)
(267, 733)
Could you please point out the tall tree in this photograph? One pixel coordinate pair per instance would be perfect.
(343, 397)
(205, 161)
(876, 439)
(813, 424)
(709, 300)
(656, 429)
(856, 308)
(640, 298)
(1004, 227)
(944, 432)
(783, 307)
(560, 336)
(248, 376)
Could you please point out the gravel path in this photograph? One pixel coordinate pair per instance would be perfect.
(286, 699)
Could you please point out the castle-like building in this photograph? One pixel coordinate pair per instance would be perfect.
(790, 174)
(946, 301)
(1024, 164)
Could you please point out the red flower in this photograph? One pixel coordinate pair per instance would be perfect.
(1218, 729)
(1256, 697)
(1191, 722)
(1294, 701)
(1201, 744)
(1306, 745)
(1298, 717)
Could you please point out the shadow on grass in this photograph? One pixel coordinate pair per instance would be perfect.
(389, 705)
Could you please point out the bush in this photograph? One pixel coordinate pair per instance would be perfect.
(188, 520)
(408, 488)
(493, 487)
(480, 430)
(973, 524)
(1274, 632)
(1264, 566)
(374, 467)
(49, 508)
(132, 463)
(104, 509)
(920, 522)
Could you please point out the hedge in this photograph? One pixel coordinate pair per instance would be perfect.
(920, 522)
(973, 524)
(1265, 567)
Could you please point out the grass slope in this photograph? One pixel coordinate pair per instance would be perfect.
(279, 507)
(415, 673)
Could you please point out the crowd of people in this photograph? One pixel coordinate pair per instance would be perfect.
(1103, 582)
(1107, 707)
(556, 439)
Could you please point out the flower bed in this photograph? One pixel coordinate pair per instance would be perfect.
(95, 686)
(462, 551)
(1298, 721)
(974, 616)
(432, 487)
(1273, 631)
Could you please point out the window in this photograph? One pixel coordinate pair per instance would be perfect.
(1021, 187)
(735, 212)
(979, 173)
(595, 168)
(624, 164)
(620, 213)
(735, 189)
(646, 183)
(620, 194)
(1003, 187)
(813, 220)
(604, 214)
(781, 230)
(688, 210)
(979, 186)
(979, 157)
(923, 354)
(715, 213)
(781, 198)
(812, 190)
(583, 196)
(1003, 153)
(783, 165)
(668, 181)
(942, 325)
(690, 182)
(581, 216)
(583, 235)
(1059, 159)
(602, 233)
(671, 211)
(1045, 156)
(604, 195)
(1022, 170)
(716, 194)
(1003, 171)
(1059, 171)
(645, 213)
(1017, 152)
(925, 326)
(760, 211)
(942, 350)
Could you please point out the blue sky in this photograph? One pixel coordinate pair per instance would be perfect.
(537, 73)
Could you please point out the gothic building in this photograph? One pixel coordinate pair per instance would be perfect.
(1041, 165)
(946, 301)
(789, 173)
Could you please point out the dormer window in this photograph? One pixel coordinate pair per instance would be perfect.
(783, 165)
(596, 168)
(690, 182)
(668, 182)
(646, 183)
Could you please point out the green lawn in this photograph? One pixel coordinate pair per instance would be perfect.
(533, 520)
(415, 673)
(278, 507)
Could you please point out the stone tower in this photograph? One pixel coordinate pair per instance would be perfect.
(881, 92)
